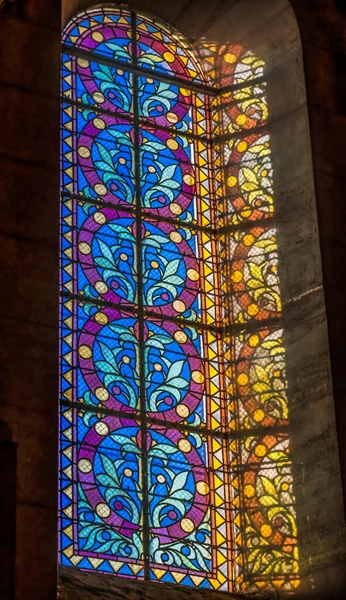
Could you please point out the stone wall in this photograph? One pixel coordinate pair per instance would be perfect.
(323, 34)
(29, 176)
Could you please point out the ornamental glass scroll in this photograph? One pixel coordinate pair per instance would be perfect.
(146, 421)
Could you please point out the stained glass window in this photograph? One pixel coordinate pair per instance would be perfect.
(174, 451)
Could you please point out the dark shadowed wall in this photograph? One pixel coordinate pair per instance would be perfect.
(29, 176)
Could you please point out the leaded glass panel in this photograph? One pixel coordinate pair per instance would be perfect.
(169, 291)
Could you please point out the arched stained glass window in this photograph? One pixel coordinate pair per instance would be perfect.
(172, 372)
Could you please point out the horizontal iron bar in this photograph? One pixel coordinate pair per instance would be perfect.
(225, 137)
(240, 86)
(228, 435)
(209, 90)
(131, 309)
(227, 329)
(269, 222)
(223, 330)
(147, 215)
(129, 118)
(166, 78)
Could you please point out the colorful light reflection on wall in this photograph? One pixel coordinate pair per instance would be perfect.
(159, 479)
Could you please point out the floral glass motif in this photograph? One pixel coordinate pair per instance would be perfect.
(262, 501)
(155, 481)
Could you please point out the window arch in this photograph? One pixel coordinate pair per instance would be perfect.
(172, 363)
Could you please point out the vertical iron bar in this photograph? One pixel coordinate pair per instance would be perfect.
(142, 398)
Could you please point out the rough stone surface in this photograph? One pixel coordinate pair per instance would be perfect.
(322, 28)
(29, 175)
(75, 586)
(8, 460)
